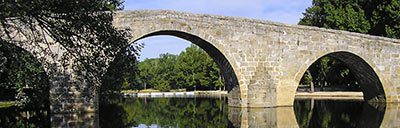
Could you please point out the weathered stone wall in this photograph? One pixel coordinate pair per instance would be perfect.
(269, 58)
(262, 61)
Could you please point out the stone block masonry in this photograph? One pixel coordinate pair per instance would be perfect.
(262, 62)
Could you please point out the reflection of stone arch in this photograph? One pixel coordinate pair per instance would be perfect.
(312, 113)
(366, 76)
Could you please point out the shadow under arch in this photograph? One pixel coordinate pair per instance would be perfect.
(227, 71)
(24, 70)
(367, 78)
(338, 113)
(23, 78)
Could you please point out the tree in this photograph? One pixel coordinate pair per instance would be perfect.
(23, 79)
(191, 69)
(159, 73)
(375, 17)
(121, 74)
(147, 72)
(165, 71)
(82, 27)
(198, 69)
(330, 72)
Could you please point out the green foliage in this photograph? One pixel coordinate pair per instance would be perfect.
(6, 104)
(83, 28)
(336, 114)
(193, 68)
(166, 112)
(330, 72)
(22, 78)
(14, 117)
(375, 17)
(123, 71)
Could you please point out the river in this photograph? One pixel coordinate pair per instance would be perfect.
(214, 113)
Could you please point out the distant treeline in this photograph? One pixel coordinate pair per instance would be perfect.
(191, 69)
(329, 74)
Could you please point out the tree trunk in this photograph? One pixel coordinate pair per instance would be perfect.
(312, 81)
(312, 86)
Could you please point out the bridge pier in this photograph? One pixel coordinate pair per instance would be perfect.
(83, 120)
(71, 95)
(279, 117)
(392, 116)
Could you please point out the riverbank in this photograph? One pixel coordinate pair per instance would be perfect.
(337, 95)
(6, 104)
(213, 93)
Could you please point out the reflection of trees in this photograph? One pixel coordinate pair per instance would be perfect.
(331, 74)
(372, 115)
(13, 117)
(170, 112)
(303, 109)
(330, 113)
(112, 116)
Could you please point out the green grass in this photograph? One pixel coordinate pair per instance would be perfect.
(6, 104)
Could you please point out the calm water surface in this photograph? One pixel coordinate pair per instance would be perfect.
(166, 112)
(214, 112)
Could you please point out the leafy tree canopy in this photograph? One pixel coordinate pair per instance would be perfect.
(83, 28)
(375, 17)
(191, 69)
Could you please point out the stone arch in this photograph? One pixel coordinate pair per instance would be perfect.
(223, 63)
(364, 72)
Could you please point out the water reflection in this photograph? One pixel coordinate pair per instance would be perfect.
(262, 117)
(213, 112)
(165, 112)
(338, 113)
(392, 116)
(13, 117)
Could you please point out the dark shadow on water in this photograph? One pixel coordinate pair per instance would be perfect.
(13, 117)
(338, 113)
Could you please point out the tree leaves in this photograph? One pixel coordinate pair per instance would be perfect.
(375, 17)
(381, 18)
(193, 68)
(82, 29)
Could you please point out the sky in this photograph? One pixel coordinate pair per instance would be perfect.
(284, 11)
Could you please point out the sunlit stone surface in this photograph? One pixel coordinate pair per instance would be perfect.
(280, 117)
(262, 61)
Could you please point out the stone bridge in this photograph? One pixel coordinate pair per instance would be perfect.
(262, 62)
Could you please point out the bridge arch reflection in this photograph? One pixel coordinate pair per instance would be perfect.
(366, 115)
